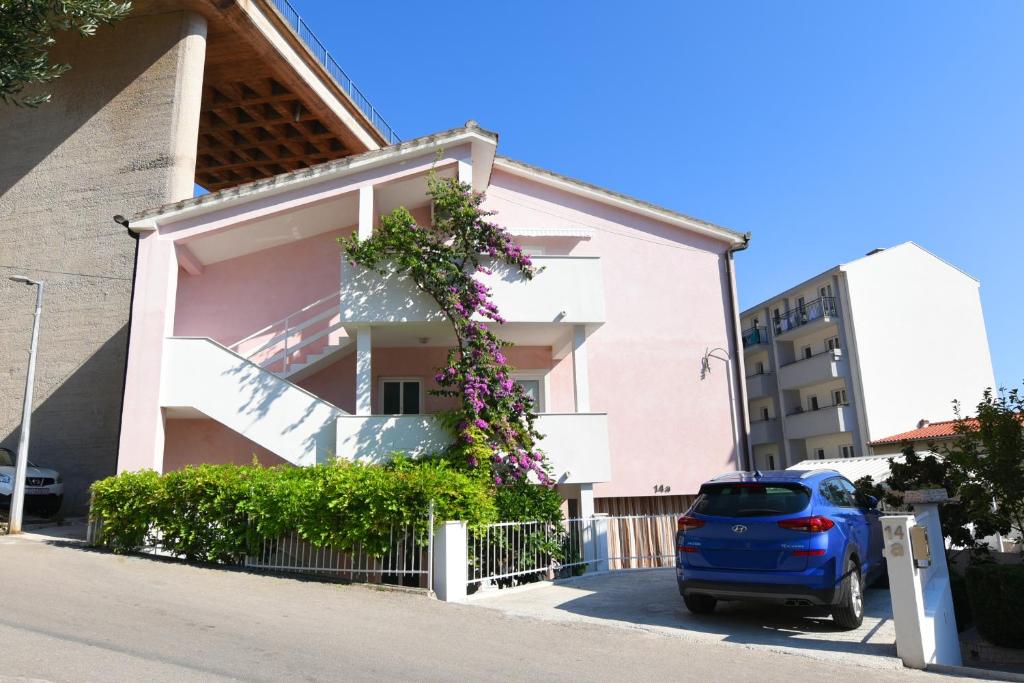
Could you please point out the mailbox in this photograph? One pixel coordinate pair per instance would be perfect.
(919, 547)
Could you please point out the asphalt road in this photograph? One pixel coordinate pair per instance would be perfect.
(70, 614)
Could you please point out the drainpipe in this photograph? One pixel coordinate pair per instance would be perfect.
(741, 369)
(121, 220)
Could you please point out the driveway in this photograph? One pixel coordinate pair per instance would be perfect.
(648, 599)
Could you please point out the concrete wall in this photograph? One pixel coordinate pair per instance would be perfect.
(118, 137)
(920, 338)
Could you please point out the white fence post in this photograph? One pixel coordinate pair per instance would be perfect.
(451, 562)
(600, 541)
(922, 603)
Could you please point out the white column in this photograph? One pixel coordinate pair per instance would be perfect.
(188, 100)
(366, 212)
(580, 378)
(364, 371)
(465, 172)
(451, 562)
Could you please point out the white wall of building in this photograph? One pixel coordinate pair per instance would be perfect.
(920, 338)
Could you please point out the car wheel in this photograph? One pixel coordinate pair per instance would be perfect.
(700, 604)
(849, 613)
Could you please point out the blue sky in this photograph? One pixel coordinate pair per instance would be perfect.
(826, 129)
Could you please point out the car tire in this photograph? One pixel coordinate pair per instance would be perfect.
(700, 604)
(849, 611)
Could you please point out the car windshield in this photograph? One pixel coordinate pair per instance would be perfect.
(6, 458)
(751, 500)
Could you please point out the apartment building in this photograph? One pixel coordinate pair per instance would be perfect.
(860, 351)
(251, 334)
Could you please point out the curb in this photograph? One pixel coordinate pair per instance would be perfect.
(972, 672)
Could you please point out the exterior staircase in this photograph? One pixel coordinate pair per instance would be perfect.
(301, 343)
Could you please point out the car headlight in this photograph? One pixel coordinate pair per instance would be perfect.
(5, 479)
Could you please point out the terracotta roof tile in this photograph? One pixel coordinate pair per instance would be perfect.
(935, 430)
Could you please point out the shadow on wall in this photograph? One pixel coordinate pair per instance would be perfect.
(262, 390)
(120, 54)
(75, 429)
(381, 435)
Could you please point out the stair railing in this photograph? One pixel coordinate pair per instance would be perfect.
(280, 344)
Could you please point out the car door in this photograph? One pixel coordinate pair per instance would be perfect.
(841, 494)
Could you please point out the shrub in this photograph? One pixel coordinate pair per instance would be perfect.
(216, 513)
(961, 601)
(997, 602)
(128, 504)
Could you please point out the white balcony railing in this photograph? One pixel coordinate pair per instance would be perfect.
(809, 371)
(576, 443)
(826, 420)
(566, 289)
(765, 431)
(761, 385)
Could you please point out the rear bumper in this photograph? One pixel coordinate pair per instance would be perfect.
(778, 593)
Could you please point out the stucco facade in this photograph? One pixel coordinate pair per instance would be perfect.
(296, 345)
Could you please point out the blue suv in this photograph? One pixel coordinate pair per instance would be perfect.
(789, 537)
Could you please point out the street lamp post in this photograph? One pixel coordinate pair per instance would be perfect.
(18, 495)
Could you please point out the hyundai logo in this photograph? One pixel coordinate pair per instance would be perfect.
(739, 529)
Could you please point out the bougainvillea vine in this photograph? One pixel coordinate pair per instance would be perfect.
(495, 420)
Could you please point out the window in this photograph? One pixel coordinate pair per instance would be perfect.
(825, 291)
(838, 492)
(807, 352)
(812, 403)
(832, 344)
(839, 397)
(819, 453)
(400, 396)
(764, 413)
(759, 367)
(771, 462)
(533, 386)
(751, 500)
(846, 451)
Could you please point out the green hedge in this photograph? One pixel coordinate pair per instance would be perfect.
(215, 513)
(997, 602)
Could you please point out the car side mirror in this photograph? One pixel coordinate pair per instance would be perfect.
(869, 502)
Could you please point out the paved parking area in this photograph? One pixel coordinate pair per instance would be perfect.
(649, 600)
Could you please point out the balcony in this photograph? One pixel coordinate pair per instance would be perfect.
(815, 313)
(765, 431)
(806, 372)
(566, 289)
(576, 443)
(755, 338)
(761, 385)
(826, 420)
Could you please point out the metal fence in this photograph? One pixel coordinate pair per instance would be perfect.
(407, 562)
(302, 30)
(512, 553)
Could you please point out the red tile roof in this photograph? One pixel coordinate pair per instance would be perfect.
(936, 430)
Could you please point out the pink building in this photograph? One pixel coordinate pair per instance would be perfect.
(250, 334)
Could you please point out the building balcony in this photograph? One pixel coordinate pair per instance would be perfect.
(806, 372)
(765, 431)
(817, 313)
(565, 290)
(825, 420)
(761, 385)
(576, 444)
(755, 338)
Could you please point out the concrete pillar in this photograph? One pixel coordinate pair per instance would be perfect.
(922, 603)
(188, 101)
(465, 170)
(366, 212)
(364, 371)
(142, 422)
(580, 376)
(451, 562)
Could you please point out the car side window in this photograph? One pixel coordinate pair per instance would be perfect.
(835, 491)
